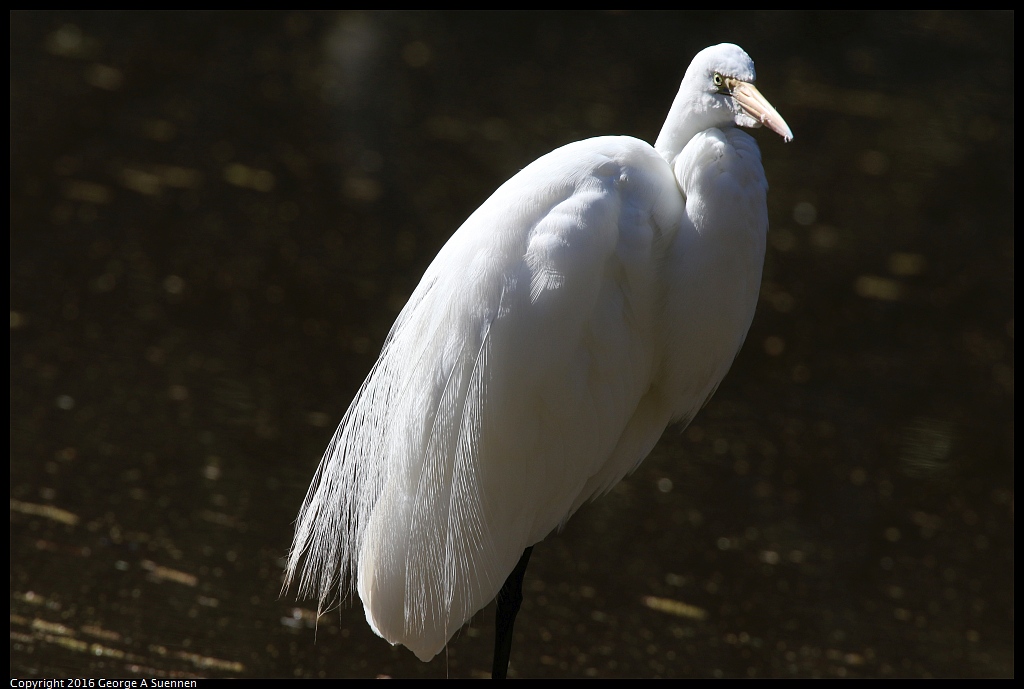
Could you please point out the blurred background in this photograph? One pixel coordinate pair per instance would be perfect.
(216, 217)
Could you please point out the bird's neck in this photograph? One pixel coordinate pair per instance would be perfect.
(687, 116)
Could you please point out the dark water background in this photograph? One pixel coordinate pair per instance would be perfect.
(216, 217)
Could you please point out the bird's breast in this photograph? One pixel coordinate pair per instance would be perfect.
(713, 263)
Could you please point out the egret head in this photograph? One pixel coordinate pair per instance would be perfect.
(721, 78)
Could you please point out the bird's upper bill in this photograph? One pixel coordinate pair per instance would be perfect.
(758, 107)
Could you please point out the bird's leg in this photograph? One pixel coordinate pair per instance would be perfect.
(509, 599)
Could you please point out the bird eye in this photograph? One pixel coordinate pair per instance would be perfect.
(718, 79)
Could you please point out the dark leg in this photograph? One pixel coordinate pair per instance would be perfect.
(509, 599)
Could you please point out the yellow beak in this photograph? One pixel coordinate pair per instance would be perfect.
(758, 107)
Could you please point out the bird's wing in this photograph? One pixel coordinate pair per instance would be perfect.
(504, 388)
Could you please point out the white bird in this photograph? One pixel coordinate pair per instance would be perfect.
(596, 297)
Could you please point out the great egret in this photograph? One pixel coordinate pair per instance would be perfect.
(597, 296)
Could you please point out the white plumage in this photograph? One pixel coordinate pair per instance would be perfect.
(597, 296)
